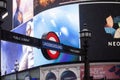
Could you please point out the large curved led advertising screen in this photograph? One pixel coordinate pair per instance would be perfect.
(103, 19)
(64, 18)
(50, 20)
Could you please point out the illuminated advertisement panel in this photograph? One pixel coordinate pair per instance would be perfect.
(64, 21)
(41, 5)
(22, 11)
(12, 52)
(75, 71)
(52, 20)
(103, 71)
(103, 19)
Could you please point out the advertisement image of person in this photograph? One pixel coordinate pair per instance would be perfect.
(117, 33)
(109, 26)
(45, 3)
(27, 60)
(18, 16)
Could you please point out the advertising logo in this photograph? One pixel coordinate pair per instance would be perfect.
(48, 53)
(112, 28)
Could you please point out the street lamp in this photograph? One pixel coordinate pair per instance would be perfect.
(85, 35)
(3, 9)
(16, 68)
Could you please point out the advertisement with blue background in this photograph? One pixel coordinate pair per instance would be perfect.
(65, 26)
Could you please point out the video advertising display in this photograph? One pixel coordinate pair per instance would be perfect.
(22, 12)
(103, 70)
(103, 20)
(54, 20)
(51, 20)
(12, 52)
(63, 22)
(41, 5)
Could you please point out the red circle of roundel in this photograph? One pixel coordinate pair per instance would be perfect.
(53, 37)
(51, 54)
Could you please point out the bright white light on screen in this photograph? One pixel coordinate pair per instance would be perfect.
(53, 23)
(64, 30)
(5, 15)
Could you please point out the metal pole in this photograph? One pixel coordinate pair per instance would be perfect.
(16, 75)
(86, 65)
(16, 65)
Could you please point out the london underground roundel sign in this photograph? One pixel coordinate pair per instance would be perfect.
(50, 54)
